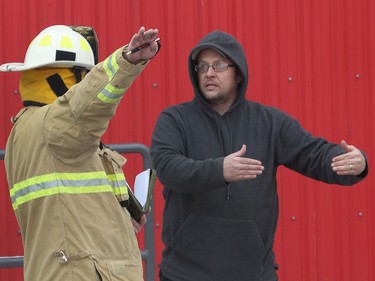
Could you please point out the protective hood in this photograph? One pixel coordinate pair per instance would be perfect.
(227, 46)
(43, 86)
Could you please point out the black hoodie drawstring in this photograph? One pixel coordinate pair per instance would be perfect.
(228, 193)
(231, 148)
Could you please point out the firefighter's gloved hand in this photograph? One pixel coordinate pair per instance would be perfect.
(140, 39)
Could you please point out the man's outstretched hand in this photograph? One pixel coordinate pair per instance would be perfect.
(350, 163)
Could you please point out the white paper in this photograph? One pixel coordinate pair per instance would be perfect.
(141, 186)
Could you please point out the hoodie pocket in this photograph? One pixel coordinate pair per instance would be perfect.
(224, 249)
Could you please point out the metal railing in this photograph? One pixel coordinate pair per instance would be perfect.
(148, 254)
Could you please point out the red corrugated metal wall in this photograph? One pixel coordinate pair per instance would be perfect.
(312, 58)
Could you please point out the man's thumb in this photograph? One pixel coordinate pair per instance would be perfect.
(241, 152)
(345, 146)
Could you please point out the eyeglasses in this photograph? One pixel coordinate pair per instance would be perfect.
(217, 67)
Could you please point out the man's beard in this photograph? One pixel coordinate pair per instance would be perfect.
(219, 98)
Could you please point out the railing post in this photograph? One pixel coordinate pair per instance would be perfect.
(149, 253)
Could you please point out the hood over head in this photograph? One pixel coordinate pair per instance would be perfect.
(226, 45)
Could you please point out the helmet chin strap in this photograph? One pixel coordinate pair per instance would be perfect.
(57, 84)
(77, 70)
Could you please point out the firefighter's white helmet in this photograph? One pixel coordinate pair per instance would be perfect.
(56, 46)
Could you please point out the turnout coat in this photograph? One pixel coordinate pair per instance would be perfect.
(65, 190)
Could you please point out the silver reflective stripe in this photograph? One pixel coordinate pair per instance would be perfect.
(110, 66)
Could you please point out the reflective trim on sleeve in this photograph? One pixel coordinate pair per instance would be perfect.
(111, 94)
(61, 183)
(110, 66)
(118, 183)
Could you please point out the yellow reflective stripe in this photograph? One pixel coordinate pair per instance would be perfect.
(84, 45)
(58, 190)
(45, 41)
(118, 183)
(111, 94)
(110, 66)
(66, 183)
(66, 42)
(54, 176)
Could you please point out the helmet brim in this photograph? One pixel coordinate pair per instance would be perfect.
(14, 66)
(18, 66)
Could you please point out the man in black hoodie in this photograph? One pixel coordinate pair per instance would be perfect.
(217, 157)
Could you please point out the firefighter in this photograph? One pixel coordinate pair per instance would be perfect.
(67, 190)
